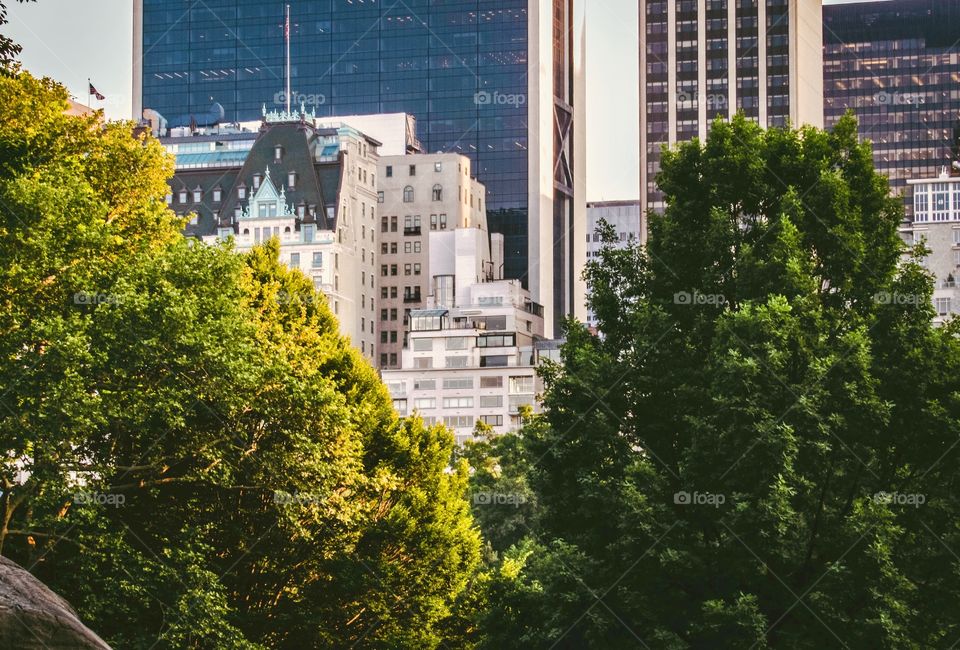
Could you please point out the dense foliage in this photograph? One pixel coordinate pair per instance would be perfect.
(761, 449)
(193, 455)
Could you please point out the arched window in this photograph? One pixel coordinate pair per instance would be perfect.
(437, 192)
(246, 231)
(408, 194)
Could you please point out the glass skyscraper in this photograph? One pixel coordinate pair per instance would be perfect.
(472, 72)
(897, 66)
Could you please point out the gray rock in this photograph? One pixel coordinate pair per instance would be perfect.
(34, 618)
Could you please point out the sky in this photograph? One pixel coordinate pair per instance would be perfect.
(73, 40)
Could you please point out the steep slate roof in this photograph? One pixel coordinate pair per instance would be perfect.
(317, 183)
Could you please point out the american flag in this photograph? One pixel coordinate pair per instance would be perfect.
(96, 93)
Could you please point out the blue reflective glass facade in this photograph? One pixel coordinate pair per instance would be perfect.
(459, 66)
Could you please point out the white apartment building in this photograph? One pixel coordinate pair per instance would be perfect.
(936, 220)
(470, 354)
(624, 216)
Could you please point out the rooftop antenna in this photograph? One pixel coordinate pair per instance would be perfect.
(286, 35)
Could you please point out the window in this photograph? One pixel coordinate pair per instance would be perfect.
(408, 194)
(956, 237)
(393, 314)
(393, 269)
(438, 166)
(425, 403)
(458, 421)
(496, 341)
(407, 247)
(457, 343)
(413, 170)
(256, 181)
(393, 224)
(169, 198)
(437, 192)
(393, 292)
(422, 363)
(494, 361)
(389, 171)
(307, 231)
(317, 260)
(406, 269)
(292, 180)
(217, 194)
(383, 314)
(380, 196)
(383, 336)
(416, 269)
(393, 248)
(456, 362)
(383, 359)
(491, 401)
(393, 358)
(942, 305)
(183, 196)
(242, 192)
(383, 224)
(383, 270)
(422, 345)
(400, 406)
(492, 420)
(458, 383)
(491, 382)
(457, 402)
(433, 222)
(424, 384)
(278, 153)
(295, 260)
(443, 222)
(521, 385)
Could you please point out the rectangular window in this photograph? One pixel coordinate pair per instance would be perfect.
(413, 170)
(491, 382)
(424, 384)
(295, 260)
(458, 383)
(317, 260)
(400, 406)
(521, 385)
(425, 403)
(456, 343)
(423, 363)
(492, 420)
(491, 401)
(494, 361)
(458, 421)
(942, 305)
(457, 402)
(422, 345)
(456, 362)
(389, 171)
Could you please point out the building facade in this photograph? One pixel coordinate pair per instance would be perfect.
(475, 361)
(420, 194)
(624, 216)
(895, 64)
(702, 59)
(501, 83)
(936, 222)
(311, 188)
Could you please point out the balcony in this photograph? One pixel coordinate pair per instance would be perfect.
(412, 297)
(411, 230)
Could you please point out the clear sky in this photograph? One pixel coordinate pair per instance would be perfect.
(71, 40)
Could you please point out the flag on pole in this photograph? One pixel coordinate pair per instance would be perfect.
(96, 93)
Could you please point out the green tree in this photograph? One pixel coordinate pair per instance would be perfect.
(194, 456)
(737, 461)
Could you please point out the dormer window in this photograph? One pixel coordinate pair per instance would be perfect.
(169, 198)
(183, 196)
(292, 180)
(256, 181)
(197, 193)
(301, 210)
(278, 153)
(217, 195)
(237, 212)
(241, 191)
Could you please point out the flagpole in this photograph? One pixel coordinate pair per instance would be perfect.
(286, 33)
(89, 100)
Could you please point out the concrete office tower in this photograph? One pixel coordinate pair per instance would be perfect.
(312, 188)
(895, 65)
(420, 195)
(624, 216)
(501, 83)
(700, 59)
